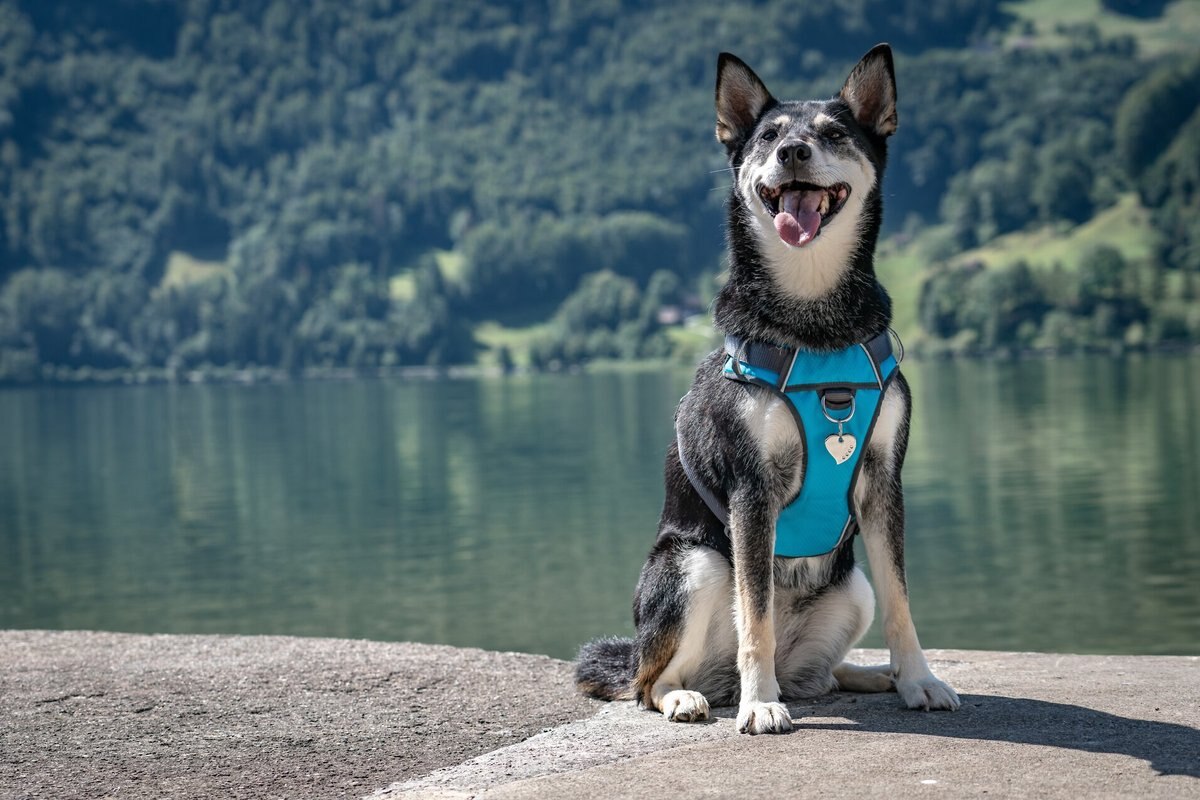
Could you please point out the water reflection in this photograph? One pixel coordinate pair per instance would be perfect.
(1053, 506)
(1057, 501)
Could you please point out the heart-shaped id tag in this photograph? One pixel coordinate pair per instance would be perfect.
(840, 446)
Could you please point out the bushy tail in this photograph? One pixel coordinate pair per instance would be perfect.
(605, 669)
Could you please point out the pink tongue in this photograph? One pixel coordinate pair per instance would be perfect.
(798, 219)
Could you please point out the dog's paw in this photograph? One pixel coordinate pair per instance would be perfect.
(683, 705)
(854, 678)
(754, 718)
(927, 693)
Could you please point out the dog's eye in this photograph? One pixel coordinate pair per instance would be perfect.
(770, 135)
(834, 135)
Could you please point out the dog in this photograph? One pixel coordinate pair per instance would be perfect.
(721, 617)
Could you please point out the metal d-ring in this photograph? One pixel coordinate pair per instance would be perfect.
(835, 420)
(736, 366)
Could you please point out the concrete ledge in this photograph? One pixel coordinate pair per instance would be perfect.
(100, 715)
(115, 715)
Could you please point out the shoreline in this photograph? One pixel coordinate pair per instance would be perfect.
(88, 376)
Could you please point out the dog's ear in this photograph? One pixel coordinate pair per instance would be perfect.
(741, 98)
(870, 91)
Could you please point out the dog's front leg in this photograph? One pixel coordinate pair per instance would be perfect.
(753, 533)
(882, 520)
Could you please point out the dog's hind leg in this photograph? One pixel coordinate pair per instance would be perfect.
(707, 592)
(815, 633)
(853, 677)
(873, 678)
(681, 592)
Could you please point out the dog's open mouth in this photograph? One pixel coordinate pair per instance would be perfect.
(800, 209)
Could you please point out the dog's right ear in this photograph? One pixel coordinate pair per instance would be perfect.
(741, 99)
(870, 91)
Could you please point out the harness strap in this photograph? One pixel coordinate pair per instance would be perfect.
(759, 354)
(779, 359)
(880, 348)
(716, 506)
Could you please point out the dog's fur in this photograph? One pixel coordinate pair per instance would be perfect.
(719, 618)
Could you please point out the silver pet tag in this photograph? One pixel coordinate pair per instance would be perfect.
(840, 446)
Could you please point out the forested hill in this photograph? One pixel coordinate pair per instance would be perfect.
(221, 184)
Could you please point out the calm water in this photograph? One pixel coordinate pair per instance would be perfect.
(1053, 505)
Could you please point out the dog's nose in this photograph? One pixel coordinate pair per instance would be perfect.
(793, 153)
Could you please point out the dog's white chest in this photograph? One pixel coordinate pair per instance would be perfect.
(773, 427)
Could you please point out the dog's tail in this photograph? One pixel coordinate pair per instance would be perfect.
(605, 669)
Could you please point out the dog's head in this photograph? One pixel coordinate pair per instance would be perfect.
(806, 174)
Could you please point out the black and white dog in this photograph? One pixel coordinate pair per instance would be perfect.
(720, 618)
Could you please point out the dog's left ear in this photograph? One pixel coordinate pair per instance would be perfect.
(870, 91)
(741, 99)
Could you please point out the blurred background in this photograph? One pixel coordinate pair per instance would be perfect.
(368, 319)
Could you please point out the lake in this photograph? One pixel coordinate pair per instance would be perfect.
(1053, 506)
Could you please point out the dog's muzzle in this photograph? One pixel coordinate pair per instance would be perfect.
(800, 209)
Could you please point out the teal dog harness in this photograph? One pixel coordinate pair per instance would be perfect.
(834, 398)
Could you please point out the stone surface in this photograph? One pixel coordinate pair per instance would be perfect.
(111, 715)
(1031, 725)
(101, 714)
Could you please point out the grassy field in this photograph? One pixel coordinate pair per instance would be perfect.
(1176, 30)
(692, 340)
(1125, 226)
(402, 287)
(901, 268)
(452, 266)
(183, 270)
(492, 336)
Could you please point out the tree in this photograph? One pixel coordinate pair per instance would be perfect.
(1153, 110)
(46, 305)
(1062, 186)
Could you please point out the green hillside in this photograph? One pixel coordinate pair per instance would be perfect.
(210, 185)
(906, 265)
